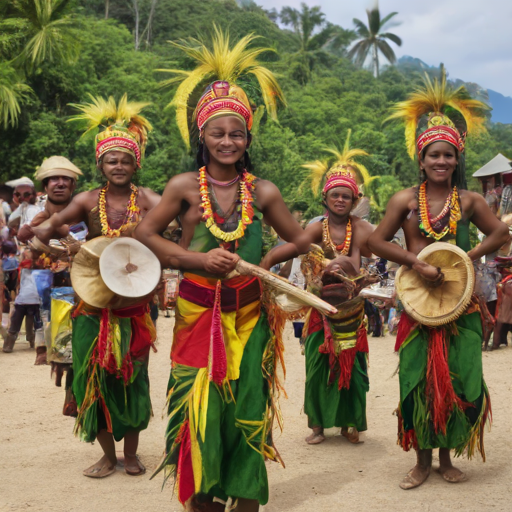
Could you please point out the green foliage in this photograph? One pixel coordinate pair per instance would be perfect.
(336, 97)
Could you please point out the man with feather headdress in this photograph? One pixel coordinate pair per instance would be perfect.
(111, 346)
(336, 348)
(221, 401)
(444, 402)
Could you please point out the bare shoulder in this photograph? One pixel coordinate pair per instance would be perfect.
(361, 225)
(148, 197)
(181, 184)
(266, 192)
(87, 199)
(470, 197)
(402, 202)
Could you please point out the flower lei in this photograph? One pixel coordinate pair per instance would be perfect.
(131, 208)
(246, 184)
(451, 206)
(342, 249)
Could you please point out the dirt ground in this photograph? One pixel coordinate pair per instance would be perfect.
(41, 462)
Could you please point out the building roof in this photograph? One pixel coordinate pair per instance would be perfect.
(498, 165)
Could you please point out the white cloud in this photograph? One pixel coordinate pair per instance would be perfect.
(472, 38)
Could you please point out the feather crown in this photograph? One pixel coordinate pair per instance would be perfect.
(437, 111)
(121, 126)
(220, 62)
(345, 161)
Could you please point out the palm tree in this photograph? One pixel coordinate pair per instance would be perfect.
(309, 45)
(221, 62)
(12, 92)
(46, 29)
(373, 38)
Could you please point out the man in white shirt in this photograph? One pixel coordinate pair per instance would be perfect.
(25, 196)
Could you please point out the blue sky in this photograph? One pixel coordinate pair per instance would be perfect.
(473, 38)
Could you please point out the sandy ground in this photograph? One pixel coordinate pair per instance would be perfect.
(41, 462)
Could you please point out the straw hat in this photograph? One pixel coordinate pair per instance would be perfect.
(434, 306)
(58, 166)
(85, 273)
(129, 268)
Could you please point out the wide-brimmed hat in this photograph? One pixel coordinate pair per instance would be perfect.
(57, 166)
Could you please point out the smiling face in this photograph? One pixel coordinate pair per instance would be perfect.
(118, 167)
(226, 140)
(59, 189)
(439, 162)
(339, 201)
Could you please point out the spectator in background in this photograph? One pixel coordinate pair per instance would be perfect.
(25, 197)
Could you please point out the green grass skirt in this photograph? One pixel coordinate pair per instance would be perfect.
(128, 406)
(237, 436)
(326, 405)
(464, 428)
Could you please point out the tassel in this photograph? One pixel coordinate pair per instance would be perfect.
(440, 392)
(184, 473)
(217, 368)
(405, 326)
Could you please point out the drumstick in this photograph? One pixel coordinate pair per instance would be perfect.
(284, 286)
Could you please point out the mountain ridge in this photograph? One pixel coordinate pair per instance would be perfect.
(501, 104)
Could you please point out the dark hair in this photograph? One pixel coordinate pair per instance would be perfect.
(9, 247)
(203, 156)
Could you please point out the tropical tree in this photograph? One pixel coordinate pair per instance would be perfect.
(373, 39)
(221, 62)
(311, 34)
(12, 92)
(46, 30)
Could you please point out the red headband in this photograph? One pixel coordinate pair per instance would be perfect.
(439, 133)
(341, 178)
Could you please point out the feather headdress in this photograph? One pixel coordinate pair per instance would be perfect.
(121, 126)
(448, 106)
(220, 63)
(344, 160)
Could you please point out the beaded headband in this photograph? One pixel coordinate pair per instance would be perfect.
(440, 128)
(223, 99)
(340, 177)
(117, 140)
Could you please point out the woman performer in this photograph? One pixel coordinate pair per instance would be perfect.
(336, 355)
(223, 352)
(444, 402)
(111, 346)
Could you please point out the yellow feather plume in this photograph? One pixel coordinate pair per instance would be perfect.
(435, 96)
(318, 169)
(102, 113)
(346, 157)
(220, 63)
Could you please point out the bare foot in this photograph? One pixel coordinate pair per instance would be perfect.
(133, 466)
(40, 356)
(351, 434)
(101, 469)
(416, 476)
(316, 436)
(452, 474)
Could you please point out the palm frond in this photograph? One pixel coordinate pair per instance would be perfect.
(386, 50)
(13, 91)
(391, 37)
(361, 28)
(384, 20)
